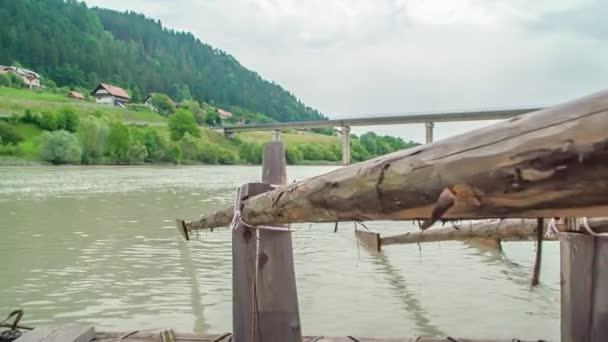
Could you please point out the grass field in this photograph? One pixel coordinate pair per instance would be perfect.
(16, 101)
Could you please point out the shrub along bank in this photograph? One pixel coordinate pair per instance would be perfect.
(64, 137)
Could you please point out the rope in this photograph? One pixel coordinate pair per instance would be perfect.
(551, 229)
(221, 337)
(589, 230)
(237, 219)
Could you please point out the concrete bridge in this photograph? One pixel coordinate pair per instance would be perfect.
(429, 120)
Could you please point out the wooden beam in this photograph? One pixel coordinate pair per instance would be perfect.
(498, 230)
(544, 164)
(244, 253)
(185, 337)
(60, 333)
(370, 240)
(277, 295)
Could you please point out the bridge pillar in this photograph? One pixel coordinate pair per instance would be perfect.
(229, 134)
(345, 145)
(429, 131)
(276, 135)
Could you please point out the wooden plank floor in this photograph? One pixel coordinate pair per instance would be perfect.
(179, 337)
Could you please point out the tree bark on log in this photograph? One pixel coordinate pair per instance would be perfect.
(553, 162)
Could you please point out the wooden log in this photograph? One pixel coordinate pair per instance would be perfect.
(501, 230)
(244, 253)
(551, 162)
(277, 295)
(370, 240)
(60, 333)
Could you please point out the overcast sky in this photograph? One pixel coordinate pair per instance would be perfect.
(358, 57)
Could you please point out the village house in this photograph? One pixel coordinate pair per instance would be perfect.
(111, 95)
(224, 114)
(75, 95)
(30, 79)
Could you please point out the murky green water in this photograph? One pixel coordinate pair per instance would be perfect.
(98, 244)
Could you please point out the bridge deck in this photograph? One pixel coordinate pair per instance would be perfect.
(387, 120)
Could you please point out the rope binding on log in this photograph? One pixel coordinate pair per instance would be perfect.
(237, 218)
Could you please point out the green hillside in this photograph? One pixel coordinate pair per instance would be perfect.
(77, 46)
(48, 127)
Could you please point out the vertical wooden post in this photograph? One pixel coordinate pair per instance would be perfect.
(276, 135)
(584, 287)
(244, 253)
(278, 313)
(345, 145)
(429, 131)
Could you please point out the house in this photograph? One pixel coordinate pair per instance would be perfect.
(111, 95)
(30, 79)
(224, 114)
(148, 102)
(75, 95)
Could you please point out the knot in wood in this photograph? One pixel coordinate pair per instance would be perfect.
(262, 259)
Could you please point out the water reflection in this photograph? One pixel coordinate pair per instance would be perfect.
(400, 290)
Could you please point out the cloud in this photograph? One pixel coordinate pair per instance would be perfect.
(361, 57)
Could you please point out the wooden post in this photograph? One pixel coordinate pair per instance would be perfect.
(429, 131)
(244, 253)
(584, 284)
(276, 135)
(278, 317)
(345, 145)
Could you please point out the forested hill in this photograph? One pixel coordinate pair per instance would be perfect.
(74, 45)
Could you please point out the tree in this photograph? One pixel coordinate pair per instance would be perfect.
(174, 155)
(136, 95)
(9, 135)
(60, 147)
(162, 104)
(67, 119)
(5, 80)
(155, 145)
(47, 121)
(368, 140)
(29, 117)
(196, 110)
(212, 118)
(93, 134)
(251, 153)
(119, 142)
(293, 155)
(189, 147)
(137, 153)
(180, 123)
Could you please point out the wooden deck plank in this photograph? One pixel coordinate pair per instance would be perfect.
(60, 333)
(181, 337)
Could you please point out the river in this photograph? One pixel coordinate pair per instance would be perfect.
(99, 244)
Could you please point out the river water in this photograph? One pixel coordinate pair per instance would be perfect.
(99, 244)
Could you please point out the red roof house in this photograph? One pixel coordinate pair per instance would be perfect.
(109, 94)
(224, 114)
